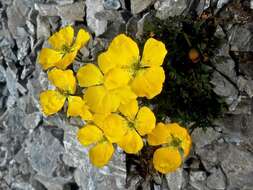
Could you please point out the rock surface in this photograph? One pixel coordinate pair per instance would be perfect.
(42, 153)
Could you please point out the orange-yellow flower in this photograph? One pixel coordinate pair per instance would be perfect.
(64, 48)
(52, 101)
(174, 138)
(99, 97)
(121, 65)
(102, 150)
(140, 123)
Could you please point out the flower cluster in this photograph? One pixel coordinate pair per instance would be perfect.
(109, 104)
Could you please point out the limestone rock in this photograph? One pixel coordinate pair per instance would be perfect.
(96, 25)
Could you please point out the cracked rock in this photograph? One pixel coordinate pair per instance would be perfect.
(44, 152)
(217, 180)
(176, 179)
(96, 25)
(138, 6)
(112, 4)
(70, 12)
(238, 166)
(241, 38)
(167, 8)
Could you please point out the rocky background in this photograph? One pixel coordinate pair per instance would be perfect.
(38, 153)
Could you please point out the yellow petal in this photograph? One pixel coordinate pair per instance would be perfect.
(99, 118)
(89, 134)
(125, 94)
(148, 82)
(77, 107)
(166, 159)
(114, 127)
(154, 53)
(101, 100)
(62, 38)
(48, 58)
(122, 51)
(159, 135)
(89, 75)
(51, 101)
(131, 143)
(66, 60)
(101, 154)
(106, 63)
(116, 78)
(182, 134)
(145, 121)
(130, 109)
(81, 39)
(63, 80)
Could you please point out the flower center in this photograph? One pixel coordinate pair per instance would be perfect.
(176, 142)
(133, 69)
(131, 124)
(66, 49)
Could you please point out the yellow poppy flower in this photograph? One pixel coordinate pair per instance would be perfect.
(140, 122)
(101, 154)
(166, 159)
(182, 134)
(121, 65)
(103, 94)
(64, 48)
(78, 107)
(114, 126)
(100, 100)
(89, 134)
(52, 101)
(132, 142)
(102, 150)
(65, 81)
(171, 135)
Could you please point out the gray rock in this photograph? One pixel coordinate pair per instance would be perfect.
(87, 176)
(210, 154)
(4, 156)
(198, 180)
(44, 152)
(238, 129)
(11, 82)
(55, 183)
(216, 180)
(245, 85)
(167, 8)
(22, 186)
(23, 42)
(110, 15)
(2, 74)
(16, 16)
(112, 4)
(223, 87)
(72, 12)
(138, 6)
(9, 55)
(244, 106)
(202, 6)
(202, 137)
(64, 2)
(141, 23)
(241, 38)
(96, 25)
(32, 120)
(238, 166)
(225, 80)
(176, 179)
